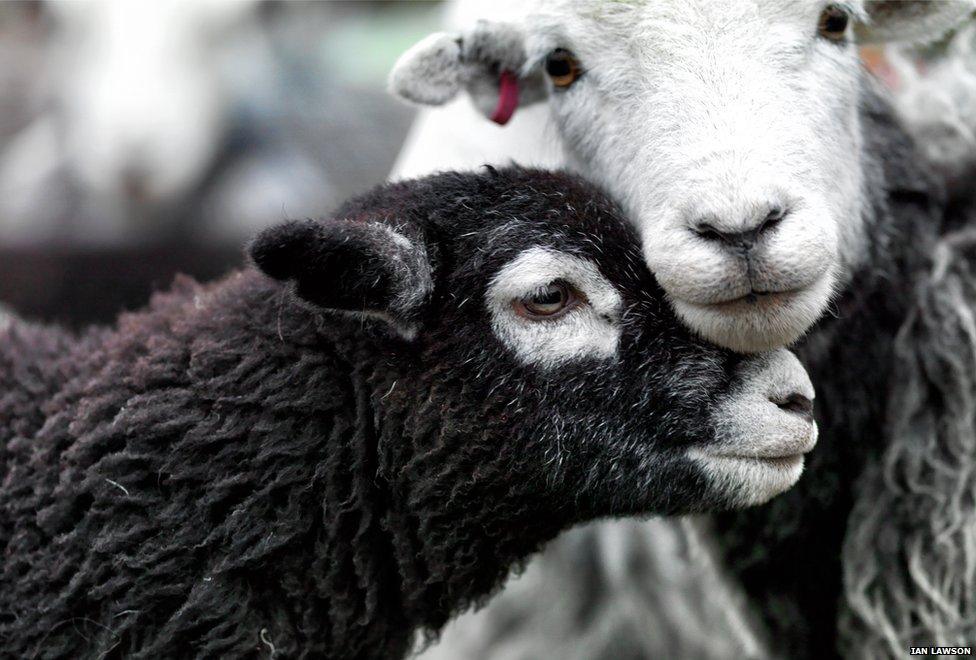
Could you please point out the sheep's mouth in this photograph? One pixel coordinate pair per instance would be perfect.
(749, 479)
(783, 462)
(756, 300)
(752, 320)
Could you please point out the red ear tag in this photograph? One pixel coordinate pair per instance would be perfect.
(508, 98)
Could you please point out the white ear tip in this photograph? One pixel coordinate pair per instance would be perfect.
(430, 72)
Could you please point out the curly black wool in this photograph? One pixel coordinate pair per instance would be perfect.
(234, 473)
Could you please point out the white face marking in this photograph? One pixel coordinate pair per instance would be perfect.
(590, 330)
(760, 446)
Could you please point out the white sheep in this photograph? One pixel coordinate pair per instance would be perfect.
(714, 123)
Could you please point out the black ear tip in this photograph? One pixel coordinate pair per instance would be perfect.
(275, 250)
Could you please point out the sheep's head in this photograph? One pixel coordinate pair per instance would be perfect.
(729, 130)
(515, 321)
(139, 97)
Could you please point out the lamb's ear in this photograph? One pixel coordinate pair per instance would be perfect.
(912, 20)
(489, 62)
(350, 266)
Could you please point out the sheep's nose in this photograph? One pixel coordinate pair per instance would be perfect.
(741, 235)
(796, 403)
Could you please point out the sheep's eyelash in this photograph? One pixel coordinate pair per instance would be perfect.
(540, 288)
(856, 12)
(583, 301)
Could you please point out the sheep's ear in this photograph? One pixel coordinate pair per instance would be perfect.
(350, 266)
(912, 20)
(489, 62)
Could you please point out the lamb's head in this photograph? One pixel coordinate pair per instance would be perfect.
(729, 130)
(521, 339)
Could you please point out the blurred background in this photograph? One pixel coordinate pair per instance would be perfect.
(139, 139)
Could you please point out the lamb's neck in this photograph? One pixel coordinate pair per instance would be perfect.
(459, 516)
(453, 558)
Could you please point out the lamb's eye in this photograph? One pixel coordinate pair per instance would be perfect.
(833, 23)
(551, 301)
(562, 67)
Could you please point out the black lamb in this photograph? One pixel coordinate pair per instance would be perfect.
(460, 368)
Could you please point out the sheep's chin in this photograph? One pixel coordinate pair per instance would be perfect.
(757, 323)
(750, 481)
(761, 438)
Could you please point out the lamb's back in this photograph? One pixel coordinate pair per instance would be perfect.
(171, 476)
(35, 362)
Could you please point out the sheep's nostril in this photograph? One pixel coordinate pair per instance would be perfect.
(773, 218)
(709, 233)
(742, 235)
(796, 403)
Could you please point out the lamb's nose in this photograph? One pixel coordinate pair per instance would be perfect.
(741, 235)
(796, 403)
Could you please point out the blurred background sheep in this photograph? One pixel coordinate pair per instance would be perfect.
(139, 139)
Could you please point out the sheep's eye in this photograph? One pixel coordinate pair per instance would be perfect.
(551, 301)
(562, 67)
(833, 23)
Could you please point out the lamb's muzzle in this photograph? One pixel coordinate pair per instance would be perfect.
(765, 427)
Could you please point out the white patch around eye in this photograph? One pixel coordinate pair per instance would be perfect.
(592, 329)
